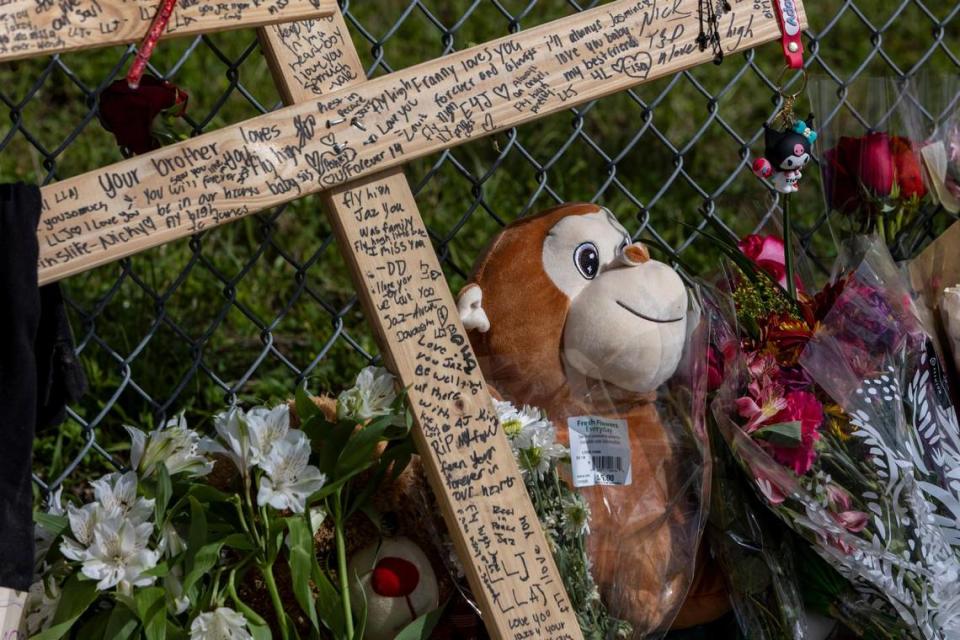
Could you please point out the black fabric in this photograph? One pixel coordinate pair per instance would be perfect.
(39, 374)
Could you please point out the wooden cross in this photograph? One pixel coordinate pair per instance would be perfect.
(348, 138)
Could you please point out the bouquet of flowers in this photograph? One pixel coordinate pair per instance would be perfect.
(835, 406)
(874, 181)
(205, 538)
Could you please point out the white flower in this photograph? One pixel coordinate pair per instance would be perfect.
(266, 427)
(372, 396)
(117, 494)
(82, 522)
(519, 424)
(119, 555)
(176, 446)
(289, 480)
(171, 544)
(539, 450)
(232, 428)
(41, 604)
(576, 515)
(222, 624)
(177, 601)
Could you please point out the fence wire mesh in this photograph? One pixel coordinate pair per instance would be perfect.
(248, 311)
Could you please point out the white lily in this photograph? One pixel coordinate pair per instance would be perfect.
(371, 396)
(119, 555)
(266, 427)
(177, 601)
(171, 544)
(175, 445)
(82, 522)
(232, 428)
(117, 494)
(222, 624)
(289, 479)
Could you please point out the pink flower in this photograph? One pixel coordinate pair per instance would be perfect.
(838, 497)
(839, 500)
(769, 254)
(852, 521)
(804, 407)
(769, 490)
(762, 404)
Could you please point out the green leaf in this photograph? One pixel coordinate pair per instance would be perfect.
(164, 491)
(122, 624)
(198, 524)
(95, 627)
(51, 523)
(160, 571)
(207, 494)
(76, 598)
(302, 558)
(422, 627)
(330, 446)
(152, 609)
(306, 408)
(782, 434)
(329, 603)
(361, 447)
(200, 563)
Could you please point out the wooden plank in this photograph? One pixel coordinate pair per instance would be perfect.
(465, 455)
(31, 28)
(360, 130)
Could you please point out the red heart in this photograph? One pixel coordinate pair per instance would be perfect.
(394, 577)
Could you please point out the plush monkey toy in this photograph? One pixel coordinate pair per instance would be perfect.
(566, 313)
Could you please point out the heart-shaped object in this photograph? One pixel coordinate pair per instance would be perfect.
(394, 577)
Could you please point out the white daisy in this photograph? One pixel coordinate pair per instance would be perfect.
(539, 450)
(576, 515)
(289, 479)
(222, 624)
(371, 396)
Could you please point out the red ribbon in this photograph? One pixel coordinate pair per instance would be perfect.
(157, 27)
(788, 17)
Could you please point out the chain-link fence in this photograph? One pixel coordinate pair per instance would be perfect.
(248, 311)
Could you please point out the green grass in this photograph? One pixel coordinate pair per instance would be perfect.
(268, 295)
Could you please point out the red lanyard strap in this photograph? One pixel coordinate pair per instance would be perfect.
(789, 20)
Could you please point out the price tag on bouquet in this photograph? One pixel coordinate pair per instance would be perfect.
(599, 451)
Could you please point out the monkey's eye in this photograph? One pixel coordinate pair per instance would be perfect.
(587, 259)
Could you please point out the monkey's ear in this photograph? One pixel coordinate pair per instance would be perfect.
(469, 304)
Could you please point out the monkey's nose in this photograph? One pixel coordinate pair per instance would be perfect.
(635, 254)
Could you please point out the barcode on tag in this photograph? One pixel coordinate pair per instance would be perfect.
(599, 451)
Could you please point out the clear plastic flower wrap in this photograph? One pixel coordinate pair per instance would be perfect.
(837, 410)
(567, 314)
(870, 160)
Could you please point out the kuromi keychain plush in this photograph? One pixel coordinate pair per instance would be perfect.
(786, 153)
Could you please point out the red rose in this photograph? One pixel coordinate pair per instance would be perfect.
(129, 113)
(875, 162)
(907, 167)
